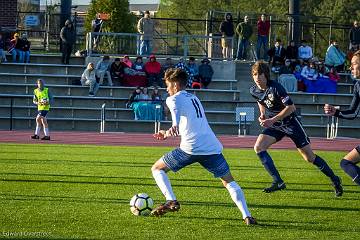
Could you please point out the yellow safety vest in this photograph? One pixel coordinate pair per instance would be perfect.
(40, 95)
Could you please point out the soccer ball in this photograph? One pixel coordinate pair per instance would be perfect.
(141, 204)
(44, 101)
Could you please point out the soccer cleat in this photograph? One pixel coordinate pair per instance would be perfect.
(46, 138)
(35, 136)
(275, 187)
(169, 206)
(338, 187)
(250, 221)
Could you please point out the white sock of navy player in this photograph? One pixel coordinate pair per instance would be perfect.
(237, 196)
(164, 184)
(37, 129)
(46, 131)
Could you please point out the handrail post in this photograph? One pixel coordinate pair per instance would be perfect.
(103, 118)
(11, 113)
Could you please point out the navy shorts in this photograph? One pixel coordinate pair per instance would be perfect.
(178, 159)
(358, 149)
(42, 113)
(292, 128)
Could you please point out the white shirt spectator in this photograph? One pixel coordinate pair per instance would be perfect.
(305, 52)
(309, 73)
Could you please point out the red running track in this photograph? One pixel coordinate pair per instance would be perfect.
(138, 139)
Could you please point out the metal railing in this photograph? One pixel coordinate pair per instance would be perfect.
(163, 44)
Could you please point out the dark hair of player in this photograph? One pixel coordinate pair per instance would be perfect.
(261, 67)
(176, 75)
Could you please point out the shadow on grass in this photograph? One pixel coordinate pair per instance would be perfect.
(174, 183)
(186, 203)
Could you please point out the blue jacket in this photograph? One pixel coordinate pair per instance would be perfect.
(334, 56)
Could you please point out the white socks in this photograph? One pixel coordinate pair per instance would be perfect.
(46, 131)
(237, 196)
(37, 129)
(163, 183)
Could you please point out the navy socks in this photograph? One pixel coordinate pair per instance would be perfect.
(324, 168)
(269, 166)
(352, 170)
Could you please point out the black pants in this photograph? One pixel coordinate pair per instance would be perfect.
(66, 52)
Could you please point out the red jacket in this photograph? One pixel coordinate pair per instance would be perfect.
(152, 67)
(263, 27)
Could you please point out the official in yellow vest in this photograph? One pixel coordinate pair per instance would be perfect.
(42, 98)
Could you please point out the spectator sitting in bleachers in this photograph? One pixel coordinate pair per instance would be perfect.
(2, 48)
(117, 72)
(127, 61)
(205, 72)
(26, 48)
(304, 51)
(181, 65)
(277, 55)
(194, 71)
(134, 97)
(139, 65)
(141, 103)
(335, 57)
(15, 48)
(287, 78)
(309, 72)
(88, 78)
(168, 64)
(153, 72)
(333, 75)
(292, 52)
(102, 68)
(156, 96)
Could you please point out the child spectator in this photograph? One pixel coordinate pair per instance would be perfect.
(333, 75)
(304, 51)
(88, 79)
(145, 94)
(309, 72)
(26, 48)
(205, 72)
(127, 61)
(117, 71)
(277, 54)
(139, 65)
(287, 78)
(102, 68)
(153, 72)
(194, 70)
(156, 96)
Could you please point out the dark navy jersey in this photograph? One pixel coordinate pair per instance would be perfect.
(351, 112)
(274, 98)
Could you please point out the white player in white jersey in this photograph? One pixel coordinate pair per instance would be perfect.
(198, 144)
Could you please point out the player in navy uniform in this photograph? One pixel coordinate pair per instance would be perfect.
(198, 144)
(348, 164)
(278, 117)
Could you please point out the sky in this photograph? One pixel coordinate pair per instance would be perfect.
(85, 2)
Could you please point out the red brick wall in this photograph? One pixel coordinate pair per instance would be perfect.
(8, 13)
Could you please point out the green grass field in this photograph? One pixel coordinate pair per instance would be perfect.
(83, 192)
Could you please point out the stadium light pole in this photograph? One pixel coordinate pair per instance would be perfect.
(65, 12)
(294, 21)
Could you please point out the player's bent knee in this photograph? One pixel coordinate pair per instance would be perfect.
(259, 148)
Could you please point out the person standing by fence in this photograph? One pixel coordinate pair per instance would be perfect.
(263, 37)
(146, 29)
(227, 32)
(244, 30)
(68, 38)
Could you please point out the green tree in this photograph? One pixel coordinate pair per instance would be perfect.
(121, 20)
